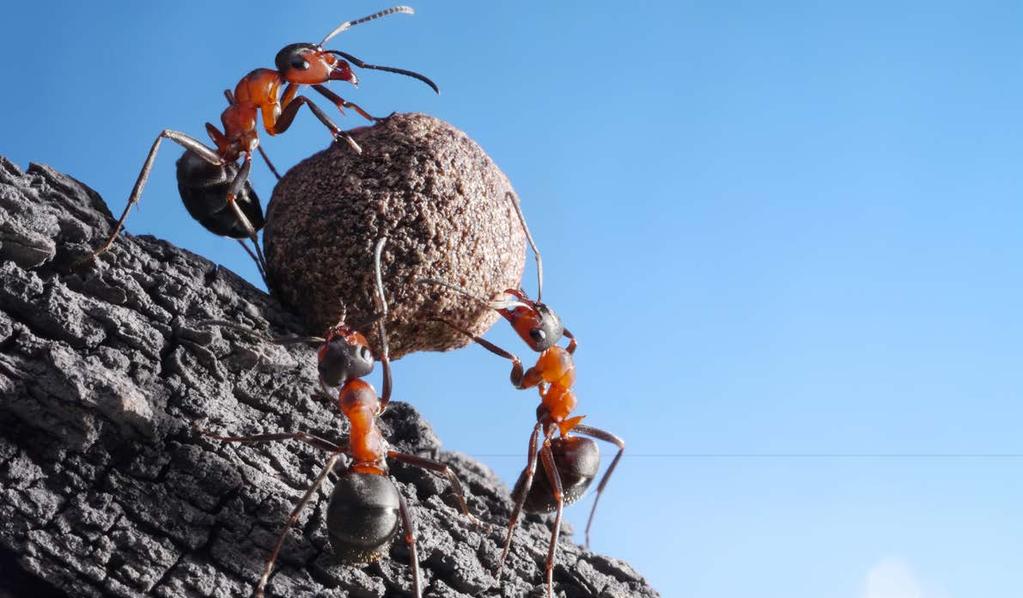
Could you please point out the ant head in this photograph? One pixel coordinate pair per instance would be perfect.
(309, 64)
(345, 353)
(343, 356)
(534, 322)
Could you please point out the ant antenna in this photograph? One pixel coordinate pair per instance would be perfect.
(344, 314)
(536, 252)
(377, 252)
(349, 24)
(505, 303)
(390, 69)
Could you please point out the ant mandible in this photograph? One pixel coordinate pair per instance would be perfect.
(214, 189)
(570, 462)
(365, 506)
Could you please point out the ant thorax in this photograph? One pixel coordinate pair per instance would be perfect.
(557, 372)
(367, 446)
(556, 367)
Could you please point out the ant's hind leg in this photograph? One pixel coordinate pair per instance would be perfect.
(255, 257)
(410, 540)
(527, 483)
(551, 469)
(240, 178)
(269, 164)
(606, 437)
(189, 143)
(440, 469)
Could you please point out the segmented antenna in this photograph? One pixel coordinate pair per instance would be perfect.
(349, 24)
(529, 237)
(377, 252)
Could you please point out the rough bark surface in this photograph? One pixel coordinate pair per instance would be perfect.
(106, 489)
(440, 201)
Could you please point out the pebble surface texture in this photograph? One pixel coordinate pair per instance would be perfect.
(107, 490)
(439, 199)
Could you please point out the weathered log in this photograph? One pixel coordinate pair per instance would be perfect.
(106, 489)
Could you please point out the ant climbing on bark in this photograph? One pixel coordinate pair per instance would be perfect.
(213, 187)
(365, 506)
(570, 461)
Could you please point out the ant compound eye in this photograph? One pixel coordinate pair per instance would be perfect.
(299, 63)
(364, 353)
(538, 335)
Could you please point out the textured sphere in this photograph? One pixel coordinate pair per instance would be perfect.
(440, 201)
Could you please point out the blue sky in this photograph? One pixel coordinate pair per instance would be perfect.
(789, 236)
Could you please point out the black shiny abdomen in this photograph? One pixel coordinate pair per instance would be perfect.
(203, 188)
(362, 516)
(578, 460)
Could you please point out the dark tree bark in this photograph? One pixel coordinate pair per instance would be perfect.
(107, 489)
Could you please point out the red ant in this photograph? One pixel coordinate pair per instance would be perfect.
(570, 462)
(365, 506)
(214, 189)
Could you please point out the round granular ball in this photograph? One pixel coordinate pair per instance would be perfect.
(441, 202)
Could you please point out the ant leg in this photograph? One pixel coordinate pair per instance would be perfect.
(292, 519)
(606, 437)
(254, 257)
(232, 193)
(573, 344)
(519, 378)
(314, 441)
(288, 115)
(440, 469)
(529, 471)
(342, 103)
(269, 164)
(551, 469)
(189, 143)
(410, 540)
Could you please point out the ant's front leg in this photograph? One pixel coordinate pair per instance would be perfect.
(520, 378)
(342, 103)
(277, 124)
(573, 344)
(189, 143)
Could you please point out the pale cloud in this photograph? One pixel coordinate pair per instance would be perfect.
(892, 578)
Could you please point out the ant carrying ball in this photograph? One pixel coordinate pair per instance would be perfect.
(365, 506)
(213, 187)
(570, 462)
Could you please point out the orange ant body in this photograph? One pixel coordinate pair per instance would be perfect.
(213, 187)
(365, 507)
(570, 462)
